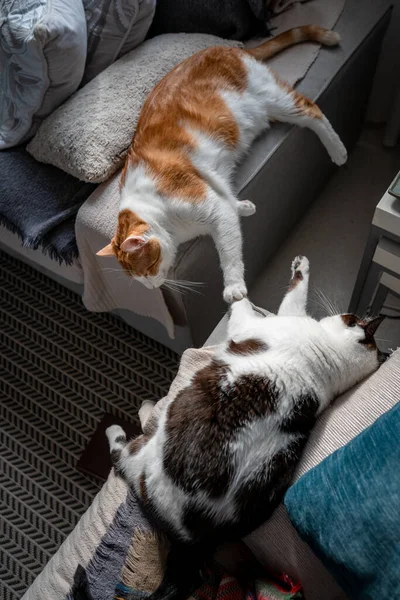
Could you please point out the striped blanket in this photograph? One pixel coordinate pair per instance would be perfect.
(129, 561)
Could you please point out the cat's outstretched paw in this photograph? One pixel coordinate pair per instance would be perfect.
(246, 208)
(235, 291)
(300, 267)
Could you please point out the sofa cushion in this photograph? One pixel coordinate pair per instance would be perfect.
(347, 510)
(88, 137)
(114, 28)
(43, 50)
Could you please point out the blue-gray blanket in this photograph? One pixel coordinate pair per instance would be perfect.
(39, 203)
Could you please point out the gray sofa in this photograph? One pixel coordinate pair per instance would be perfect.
(283, 174)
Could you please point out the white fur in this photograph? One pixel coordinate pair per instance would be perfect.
(302, 357)
(177, 221)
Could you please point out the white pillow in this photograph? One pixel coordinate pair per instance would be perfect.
(42, 55)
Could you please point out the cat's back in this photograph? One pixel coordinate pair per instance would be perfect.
(215, 68)
(189, 97)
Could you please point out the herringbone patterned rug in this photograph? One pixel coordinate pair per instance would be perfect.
(61, 368)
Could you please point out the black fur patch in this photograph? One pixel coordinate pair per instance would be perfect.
(303, 415)
(202, 420)
(250, 346)
(115, 456)
(258, 499)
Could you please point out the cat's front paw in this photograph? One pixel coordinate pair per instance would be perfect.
(235, 291)
(300, 266)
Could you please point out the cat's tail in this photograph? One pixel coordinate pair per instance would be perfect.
(182, 574)
(306, 33)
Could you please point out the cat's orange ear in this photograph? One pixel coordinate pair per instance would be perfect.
(106, 251)
(133, 243)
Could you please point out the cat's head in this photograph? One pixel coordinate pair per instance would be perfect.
(143, 253)
(354, 340)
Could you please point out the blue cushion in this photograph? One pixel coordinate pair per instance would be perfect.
(348, 510)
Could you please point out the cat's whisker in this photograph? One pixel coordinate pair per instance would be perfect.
(185, 283)
(190, 290)
(333, 308)
(199, 283)
(336, 305)
(168, 286)
(324, 302)
(180, 285)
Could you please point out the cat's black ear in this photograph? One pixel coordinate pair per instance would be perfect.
(371, 326)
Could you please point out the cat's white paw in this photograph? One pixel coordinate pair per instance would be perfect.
(113, 432)
(300, 264)
(338, 153)
(246, 208)
(235, 291)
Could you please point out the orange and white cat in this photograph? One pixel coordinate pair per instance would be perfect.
(195, 126)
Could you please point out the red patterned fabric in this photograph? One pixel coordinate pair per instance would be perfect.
(219, 585)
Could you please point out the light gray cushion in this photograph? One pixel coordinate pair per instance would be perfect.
(114, 28)
(42, 53)
(89, 135)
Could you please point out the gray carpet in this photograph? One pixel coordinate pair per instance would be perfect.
(61, 368)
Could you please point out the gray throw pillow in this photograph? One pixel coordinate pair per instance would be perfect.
(114, 28)
(42, 57)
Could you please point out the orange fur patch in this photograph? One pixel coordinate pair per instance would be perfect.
(163, 142)
(304, 104)
(307, 106)
(144, 261)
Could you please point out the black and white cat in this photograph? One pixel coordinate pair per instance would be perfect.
(224, 450)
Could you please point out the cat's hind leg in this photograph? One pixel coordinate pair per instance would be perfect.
(291, 107)
(295, 300)
(245, 208)
(117, 441)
